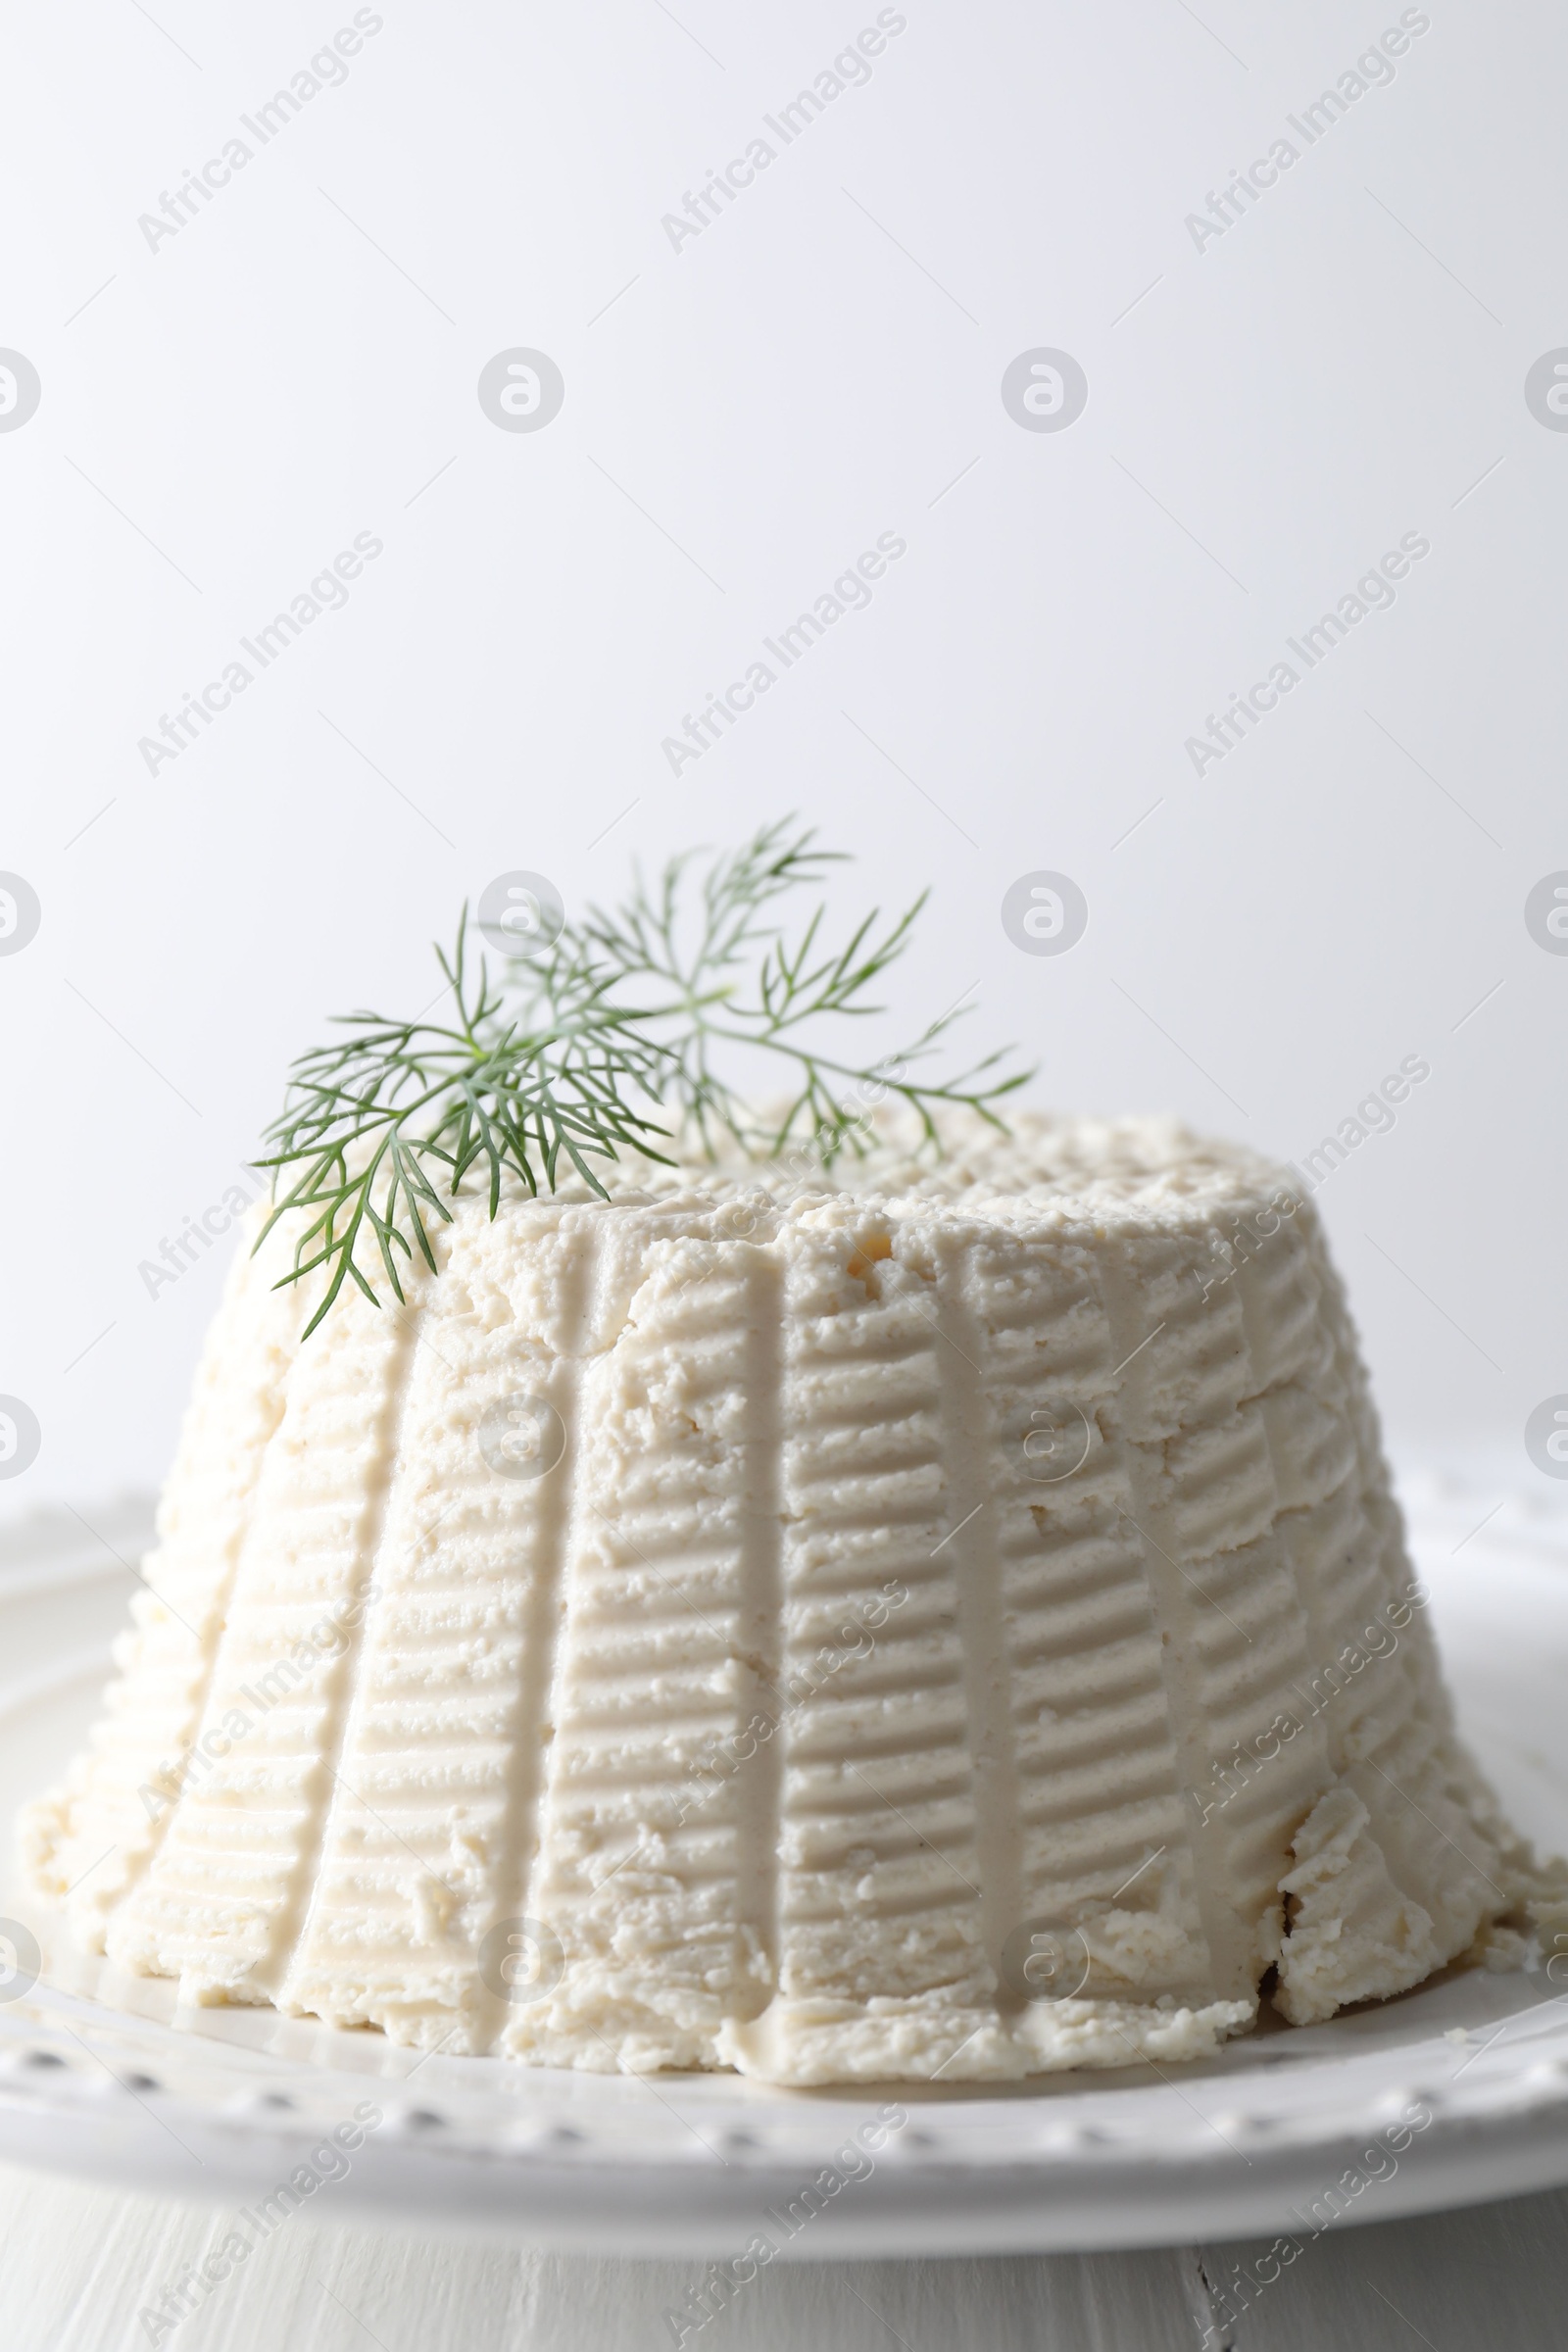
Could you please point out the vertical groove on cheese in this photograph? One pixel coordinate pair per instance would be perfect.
(1190, 1482)
(553, 1290)
(561, 1296)
(646, 1882)
(112, 1815)
(1415, 1872)
(417, 1837)
(1105, 1900)
(760, 1779)
(976, 1564)
(931, 1621)
(878, 1877)
(337, 1578)
(220, 1905)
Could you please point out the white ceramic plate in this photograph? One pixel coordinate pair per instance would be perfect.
(103, 2076)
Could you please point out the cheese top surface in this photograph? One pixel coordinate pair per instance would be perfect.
(905, 1621)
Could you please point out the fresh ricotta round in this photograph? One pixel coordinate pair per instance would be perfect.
(902, 1621)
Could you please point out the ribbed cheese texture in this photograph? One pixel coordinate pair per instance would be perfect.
(967, 1633)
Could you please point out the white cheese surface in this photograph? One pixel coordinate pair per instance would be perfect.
(932, 1654)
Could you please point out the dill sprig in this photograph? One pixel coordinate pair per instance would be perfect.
(575, 1052)
(728, 976)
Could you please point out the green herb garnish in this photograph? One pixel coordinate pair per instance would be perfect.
(573, 1053)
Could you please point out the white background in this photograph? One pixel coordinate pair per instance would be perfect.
(222, 415)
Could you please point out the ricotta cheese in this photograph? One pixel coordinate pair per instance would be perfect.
(918, 1621)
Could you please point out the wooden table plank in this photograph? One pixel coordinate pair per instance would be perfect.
(80, 2267)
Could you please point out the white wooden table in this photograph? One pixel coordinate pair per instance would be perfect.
(78, 2265)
